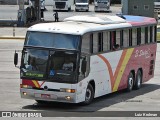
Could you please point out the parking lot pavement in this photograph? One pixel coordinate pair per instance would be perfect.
(12, 33)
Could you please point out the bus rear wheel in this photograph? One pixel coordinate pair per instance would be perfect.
(138, 81)
(130, 82)
(89, 95)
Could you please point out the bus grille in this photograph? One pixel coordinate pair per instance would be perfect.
(60, 5)
(102, 5)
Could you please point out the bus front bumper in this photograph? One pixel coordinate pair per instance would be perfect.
(48, 95)
(82, 8)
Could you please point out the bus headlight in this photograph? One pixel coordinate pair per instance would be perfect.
(96, 4)
(68, 90)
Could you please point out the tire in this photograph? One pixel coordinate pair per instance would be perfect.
(138, 80)
(41, 102)
(89, 95)
(130, 82)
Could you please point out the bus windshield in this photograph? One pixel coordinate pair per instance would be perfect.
(102, 0)
(52, 40)
(82, 1)
(51, 65)
(50, 56)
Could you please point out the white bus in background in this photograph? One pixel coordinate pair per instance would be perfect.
(157, 6)
(62, 4)
(82, 5)
(42, 3)
(102, 5)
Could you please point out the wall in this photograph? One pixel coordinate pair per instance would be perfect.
(141, 8)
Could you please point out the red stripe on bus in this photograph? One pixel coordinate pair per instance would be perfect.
(109, 69)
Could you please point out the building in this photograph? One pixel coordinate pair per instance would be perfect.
(10, 2)
(138, 7)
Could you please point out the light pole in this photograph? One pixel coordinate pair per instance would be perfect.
(37, 9)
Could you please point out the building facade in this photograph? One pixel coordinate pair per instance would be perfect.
(138, 7)
(11, 2)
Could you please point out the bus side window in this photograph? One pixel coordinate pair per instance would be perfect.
(95, 42)
(106, 41)
(134, 37)
(146, 35)
(138, 36)
(118, 39)
(100, 42)
(112, 39)
(91, 43)
(126, 38)
(121, 38)
(130, 37)
(142, 35)
(85, 43)
(151, 34)
(155, 33)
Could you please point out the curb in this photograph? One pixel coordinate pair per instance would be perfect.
(12, 37)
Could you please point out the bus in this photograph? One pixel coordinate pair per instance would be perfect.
(102, 5)
(42, 4)
(82, 5)
(62, 5)
(85, 57)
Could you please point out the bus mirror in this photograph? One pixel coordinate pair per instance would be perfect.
(15, 58)
(84, 65)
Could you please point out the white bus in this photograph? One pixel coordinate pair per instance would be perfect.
(82, 5)
(85, 57)
(62, 5)
(102, 5)
(42, 4)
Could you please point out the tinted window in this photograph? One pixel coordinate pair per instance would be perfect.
(62, 41)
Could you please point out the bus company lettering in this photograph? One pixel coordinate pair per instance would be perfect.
(145, 53)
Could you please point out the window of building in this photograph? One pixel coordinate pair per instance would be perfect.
(146, 7)
(135, 7)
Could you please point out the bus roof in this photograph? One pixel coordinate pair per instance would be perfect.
(79, 25)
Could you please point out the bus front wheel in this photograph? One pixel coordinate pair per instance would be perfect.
(130, 82)
(89, 95)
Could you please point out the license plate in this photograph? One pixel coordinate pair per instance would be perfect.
(45, 96)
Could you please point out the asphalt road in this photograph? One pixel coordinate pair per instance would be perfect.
(145, 99)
